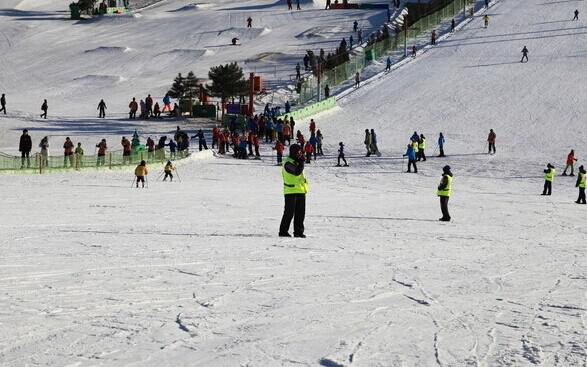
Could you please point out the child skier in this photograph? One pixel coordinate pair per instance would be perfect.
(308, 149)
(141, 172)
(168, 169)
(279, 148)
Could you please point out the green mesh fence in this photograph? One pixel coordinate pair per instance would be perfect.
(38, 163)
(395, 42)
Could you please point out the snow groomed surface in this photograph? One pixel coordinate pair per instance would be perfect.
(192, 273)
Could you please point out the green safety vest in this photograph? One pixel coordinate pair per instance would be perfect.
(549, 176)
(582, 180)
(448, 189)
(293, 184)
(422, 145)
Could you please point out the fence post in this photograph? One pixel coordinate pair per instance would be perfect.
(110, 160)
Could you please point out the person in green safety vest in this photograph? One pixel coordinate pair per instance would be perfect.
(295, 187)
(581, 183)
(444, 192)
(421, 148)
(549, 173)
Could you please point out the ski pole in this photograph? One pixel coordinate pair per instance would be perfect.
(133, 182)
(160, 175)
(146, 182)
(177, 173)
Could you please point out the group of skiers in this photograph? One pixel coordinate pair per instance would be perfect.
(148, 108)
(416, 150)
(581, 182)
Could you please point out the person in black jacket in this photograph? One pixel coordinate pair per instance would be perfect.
(295, 187)
(102, 109)
(3, 103)
(581, 183)
(24, 147)
(44, 108)
(524, 54)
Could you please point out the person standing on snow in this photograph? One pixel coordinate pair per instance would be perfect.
(549, 174)
(201, 139)
(101, 153)
(44, 108)
(433, 37)
(298, 71)
(368, 142)
(133, 106)
(3, 103)
(486, 20)
(388, 64)
(126, 150)
(570, 163)
(581, 183)
(355, 26)
(68, 152)
(295, 188)
(421, 148)
(148, 106)
(279, 148)
(308, 149)
(357, 80)
(319, 139)
(341, 155)
(441, 145)
(524, 54)
(374, 148)
(166, 103)
(576, 17)
(44, 145)
(444, 192)
(141, 172)
(25, 146)
(452, 25)
(249, 22)
(102, 109)
(143, 107)
(491, 141)
(411, 154)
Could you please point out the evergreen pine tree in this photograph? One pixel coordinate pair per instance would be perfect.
(178, 88)
(227, 81)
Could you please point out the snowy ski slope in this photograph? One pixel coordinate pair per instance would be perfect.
(191, 273)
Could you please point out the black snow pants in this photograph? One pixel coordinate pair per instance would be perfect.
(295, 208)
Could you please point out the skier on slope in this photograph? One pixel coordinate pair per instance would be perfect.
(570, 163)
(549, 174)
(308, 149)
(444, 192)
(314, 143)
(168, 169)
(581, 183)
(102, 109)
(491, 141)
(141, 172)
(279, 148)
(3, 103)
(411, 154)
(295, 188)
(441, 145)
(341, 155)
(524, 54)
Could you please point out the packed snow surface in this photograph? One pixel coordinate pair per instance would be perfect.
(192, 273)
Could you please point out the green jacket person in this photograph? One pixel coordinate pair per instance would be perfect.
(444, 192)
(295, 187)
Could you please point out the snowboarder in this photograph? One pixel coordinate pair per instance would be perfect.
(452, 25)
(441, 145)
(388, 64)
(368, 142)
(25, 146)
(486, 20)
(357, 80)
(421, 148)
(491, 141)
(433, 37)
(570, 163)
(355, 26)
(581, 183)
(168, 169)
(549, 174)
(295, 188)
(3, 103)
(102, 109)
(341, 155)
(44, 108)
(68, 152)
(133, 106)
(576, 17)
(411, 154)
(249, 22)
(444, 192)
(101, 159)
(44, 145)
(374, 148)
(524, 54)
(141, 172)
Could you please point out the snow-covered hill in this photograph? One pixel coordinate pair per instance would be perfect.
(192, 273)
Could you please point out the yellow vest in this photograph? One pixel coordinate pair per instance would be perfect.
(549, 176)
(422, 145)
(415, 146)
(582, 180)
(448, 189)
(293, 184)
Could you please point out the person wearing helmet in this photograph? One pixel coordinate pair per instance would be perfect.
(295, 188)
(444, 192)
